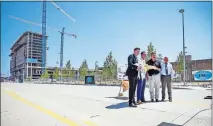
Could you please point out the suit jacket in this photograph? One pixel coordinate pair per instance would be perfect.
(132, 69)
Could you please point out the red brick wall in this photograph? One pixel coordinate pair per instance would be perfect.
(193, 65)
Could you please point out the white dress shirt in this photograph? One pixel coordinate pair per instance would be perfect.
(142, 72)
(169, 67)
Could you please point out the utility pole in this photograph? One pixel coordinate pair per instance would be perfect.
(184, 47)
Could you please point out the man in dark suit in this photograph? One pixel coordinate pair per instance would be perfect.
(132, 73)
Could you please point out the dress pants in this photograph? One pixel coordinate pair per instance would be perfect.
(132, 88)
(141, 89)
(166, 81)
(154, 84)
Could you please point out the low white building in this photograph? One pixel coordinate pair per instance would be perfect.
(121, 72)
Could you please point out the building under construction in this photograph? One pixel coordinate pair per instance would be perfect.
(26, 56)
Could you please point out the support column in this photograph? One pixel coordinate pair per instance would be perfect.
(28, 39)
(31, 56)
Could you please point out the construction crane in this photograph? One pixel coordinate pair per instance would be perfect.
(43, 63)
(54, 29)
(65, 13)
(62, 37)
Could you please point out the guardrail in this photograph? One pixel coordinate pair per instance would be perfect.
(76, 82)
(114, 83)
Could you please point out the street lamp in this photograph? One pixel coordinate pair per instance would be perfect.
(184, 57)
(60, 69)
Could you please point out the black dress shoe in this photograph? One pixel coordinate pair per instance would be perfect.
(170, 100)
(162, 99)
(157, 100)
(132, 105)
(143, 100)
(152, 100)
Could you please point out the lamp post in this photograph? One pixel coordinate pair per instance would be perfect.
(184, 57)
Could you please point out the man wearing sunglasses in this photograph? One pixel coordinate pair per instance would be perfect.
(154, 77)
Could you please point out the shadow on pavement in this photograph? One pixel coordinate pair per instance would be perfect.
(120, 98)
(154, 102)
(127, 98)
(168, 124)
(208, 97)
(185, 88)
(118, 106)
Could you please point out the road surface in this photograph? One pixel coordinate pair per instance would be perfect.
(81, 105)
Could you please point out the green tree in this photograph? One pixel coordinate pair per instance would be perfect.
(45, 75)
(114, 69)
(83, 69)
(64, 74)
(96, 65)
(68, 65)
(91, 73)
(110, 67)
(150, 49)
(180, 65)
(72, 73)
(67, 71)
(56, 73)
(160, 57)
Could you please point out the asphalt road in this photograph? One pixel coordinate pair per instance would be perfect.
(73, 105)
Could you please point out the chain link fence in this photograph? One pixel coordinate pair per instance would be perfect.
(99, 80)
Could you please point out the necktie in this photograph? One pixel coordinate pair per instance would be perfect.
(166, 69)
(136, 59)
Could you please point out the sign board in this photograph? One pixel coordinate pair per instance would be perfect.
(89, 80)
(31, 60)
(121, 72)
(202, 75)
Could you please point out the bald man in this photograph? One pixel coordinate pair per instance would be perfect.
(167, 73)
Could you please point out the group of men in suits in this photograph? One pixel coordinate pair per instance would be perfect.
(155, 72)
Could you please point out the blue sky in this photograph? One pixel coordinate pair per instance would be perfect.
(111, 26)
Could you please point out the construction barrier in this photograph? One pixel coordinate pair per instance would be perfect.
(125, 85)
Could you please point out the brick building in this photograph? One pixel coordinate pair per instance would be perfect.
(194, 65)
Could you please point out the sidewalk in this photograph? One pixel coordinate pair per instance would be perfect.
(99, 106)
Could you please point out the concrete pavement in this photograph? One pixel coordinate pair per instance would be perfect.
(78, 105)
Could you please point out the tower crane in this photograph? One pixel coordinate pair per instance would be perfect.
(43, 63)
(65, 13)
(62, 36)
(44, 46)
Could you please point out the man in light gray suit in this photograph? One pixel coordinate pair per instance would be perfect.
(167, 73)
